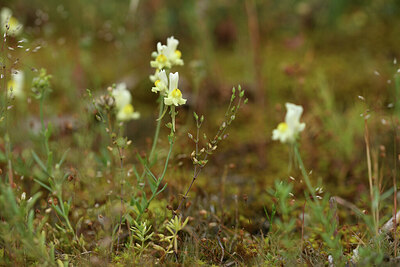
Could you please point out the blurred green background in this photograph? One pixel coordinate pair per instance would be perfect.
(320, 54)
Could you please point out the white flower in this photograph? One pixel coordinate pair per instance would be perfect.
(122, 96)
(288, 131)
(173, 55)
(167, 55)
(127, 113)
(161, 84)
(16, 84)
(15, 27)
(125, 110)
(161, 61)
(174, 94)
(292, 118)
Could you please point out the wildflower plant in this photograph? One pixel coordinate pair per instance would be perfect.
(200, 155)
(52, 177)
(114, 108)
(174, 226)
(141, 233)
(288, 133)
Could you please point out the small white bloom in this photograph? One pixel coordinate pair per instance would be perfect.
(15, 27)
(161, 84)
(288, 131)
(161, 61)
(167, 55)
(173, 55)
(122, 96)
(15, 85)
(23, 196)
(174, 94)
(125, 110)
(127, 113)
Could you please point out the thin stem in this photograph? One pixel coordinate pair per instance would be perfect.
(155, 140)
(220, 132)
(302, 225)
(195, 175)
(121, 160)
(6, 98)
(156, 192)
(371, 186)
(303, 170)
(45, 141)
(41, 112)
(395, 190)
(171, 145)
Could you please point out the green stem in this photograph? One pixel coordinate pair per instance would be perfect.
(171, 145)
(303, 170)
(156, 192)
(7, 136)
(41, 112)
(45, 140)
(66, 215)
(157, 132)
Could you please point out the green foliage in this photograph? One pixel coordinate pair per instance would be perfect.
(22, 235)
(141, 233)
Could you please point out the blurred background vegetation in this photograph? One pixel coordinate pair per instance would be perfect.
(320, 54)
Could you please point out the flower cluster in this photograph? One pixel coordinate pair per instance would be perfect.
(166, 57)
(9, 23)
(288, 131)
(123, 98)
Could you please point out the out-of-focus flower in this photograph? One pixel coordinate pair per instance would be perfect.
(125, 110)
(174, 94)
(16, 84)
(127, 113)
(122, 96)
(7, 20)
(288, 131)
(161, 84)
(166, 56)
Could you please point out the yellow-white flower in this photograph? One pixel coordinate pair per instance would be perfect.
(15, 27)
(161, 61)
(174, 94)
(127, 113)
(167, 55)
(172, 54)
(288, 131)
(125, 110)
(161, 84)
(15, 85)
(122, 95)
